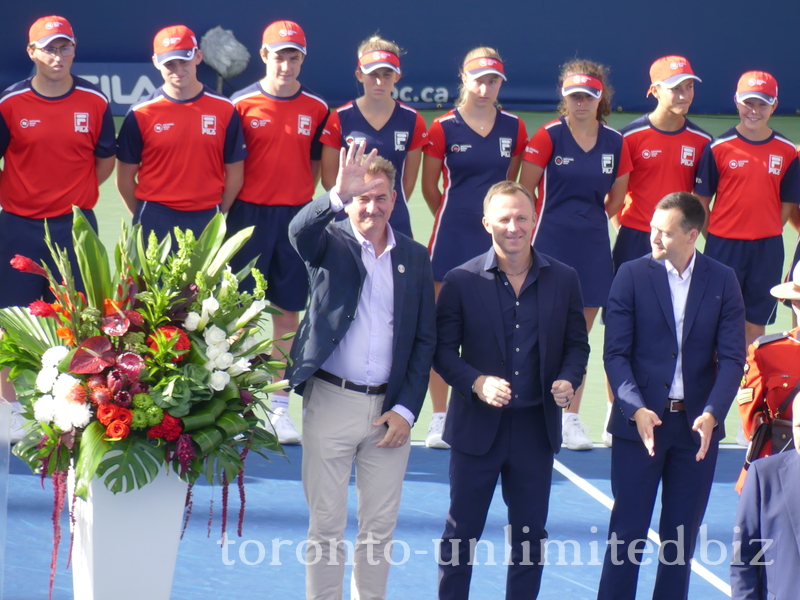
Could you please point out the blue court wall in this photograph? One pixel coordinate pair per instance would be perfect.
(722, 39)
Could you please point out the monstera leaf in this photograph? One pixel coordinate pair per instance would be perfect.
(136, 464)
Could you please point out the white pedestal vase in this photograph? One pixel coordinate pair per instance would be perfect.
(136, 532)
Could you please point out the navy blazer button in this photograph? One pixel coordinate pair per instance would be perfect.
(335, 341)
(666, 385)
(674, 355)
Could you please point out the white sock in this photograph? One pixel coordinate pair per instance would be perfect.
(438, 415)
(570, 417)
(280, 401)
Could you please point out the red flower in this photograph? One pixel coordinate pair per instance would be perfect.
(40, 308)
(124, 416)
(169, 428)
(100, 394)
(117, 429)
(107, 412)
(96, 381)
(183, 342)
(26, 265)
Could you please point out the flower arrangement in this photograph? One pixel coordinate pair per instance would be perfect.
(158, 365)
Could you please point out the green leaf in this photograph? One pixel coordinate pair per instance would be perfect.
(208, 439)
(132, 464)
(232, 423)
(228, 250)
(91, 451)
(204, 414)
(207, 246)
(92, 260)
(35, 334)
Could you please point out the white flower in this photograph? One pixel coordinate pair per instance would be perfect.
(44, 409)
(54, 355)
(79, 414)
(239, 367)
(212, 352)
(224, 360)
(209, 365)
(219, 379)
(191, 322)
(210, 306)
(64, 385)
(63, 414)
(46, 378)
(246, 344)
(256, 308)
(214, 335)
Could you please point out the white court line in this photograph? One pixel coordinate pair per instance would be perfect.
(603, 499)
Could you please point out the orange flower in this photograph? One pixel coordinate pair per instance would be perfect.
(111, 307)
(107, 412)
(124, 416)
(65, 333)
(117, 429)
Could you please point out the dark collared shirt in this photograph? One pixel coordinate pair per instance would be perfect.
(520, 315)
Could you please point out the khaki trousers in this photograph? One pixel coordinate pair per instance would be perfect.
(337, 431)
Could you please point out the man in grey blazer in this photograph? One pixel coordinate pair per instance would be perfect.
(361, 359)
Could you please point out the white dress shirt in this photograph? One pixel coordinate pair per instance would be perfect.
(679, 292)
(364, 356)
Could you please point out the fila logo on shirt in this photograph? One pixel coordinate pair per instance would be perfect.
(505, 147)
(562, 160)
(775, 164)
(209, 124)
(82, 122)
(159, 127)
(607, 163)
(737, 164)
(687, 155)
(25, 123)
(400, 141)
(651, 153)
(304, 125)
(460, 147)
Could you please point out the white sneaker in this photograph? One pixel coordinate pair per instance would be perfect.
(741, 438)
(284, 427)
(435, 430)
(574, 434)
(606, 437)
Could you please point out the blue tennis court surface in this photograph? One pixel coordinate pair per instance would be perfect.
(276, 521)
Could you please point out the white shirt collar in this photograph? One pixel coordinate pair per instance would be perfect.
(365, 243)
(687, 273)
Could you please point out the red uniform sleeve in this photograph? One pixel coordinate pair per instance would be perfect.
(625, 162)
(437, 145)
(522, 138)
(540, 148)
(420, 137)
(332, 132)
(751, 399)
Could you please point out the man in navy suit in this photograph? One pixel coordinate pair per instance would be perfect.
(674, 356)
(512, 343)
(767, 534)
(361, 360)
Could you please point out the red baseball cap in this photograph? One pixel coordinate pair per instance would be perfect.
(582, 82)
(669, 71)
(177, 42)
(757, 84)
(284, 34)
(47, 29)
(376, 59)
(482, 65)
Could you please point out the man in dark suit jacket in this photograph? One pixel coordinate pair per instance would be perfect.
(361, 359)
(674, 356)
(512, 343)
(767, 534)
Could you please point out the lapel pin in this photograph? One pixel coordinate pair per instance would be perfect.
(401, 268)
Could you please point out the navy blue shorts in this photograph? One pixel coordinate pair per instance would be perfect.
(163, 220)
(278, 261)
(630, 245)
(24, 236)
(758, 265)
